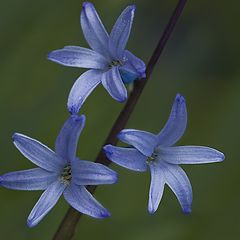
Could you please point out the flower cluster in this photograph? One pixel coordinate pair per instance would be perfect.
(61, 172)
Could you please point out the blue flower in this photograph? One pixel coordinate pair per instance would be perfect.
(108, 60)
(59, 172)
(157, 153)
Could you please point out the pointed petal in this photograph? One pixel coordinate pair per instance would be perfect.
(176, 124)
(32, 179)
(121, 31)
(133, 68)
(143, 141)
(82, 88)
(45, 203)
(156, 187)
(89, 173)
(37, 153)
(179, 183)
(129, 158)
(113, 83)
(80, 199)
(190, 155)
(93, 29)
(74, 56)
(67, 140)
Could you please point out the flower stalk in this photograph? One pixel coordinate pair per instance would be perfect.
(67, 227)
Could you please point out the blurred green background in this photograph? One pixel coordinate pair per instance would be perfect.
(201, 61)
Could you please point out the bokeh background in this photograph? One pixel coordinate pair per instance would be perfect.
(201, 61)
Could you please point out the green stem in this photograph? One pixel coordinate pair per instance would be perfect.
(67, 227)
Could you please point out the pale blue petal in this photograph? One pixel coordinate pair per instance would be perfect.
(80, 199)
(45, 203)
(190, 155)
(32, 179)
(89, 173)
(129, 158)
(176, 124)
(120, 32)
(156, 188)
(143, 141)
(93, 29)
(82, 88)
(179, 183)
(67, 140)
(37, 153)
(74, 56)
(113, 83)
(132, 69)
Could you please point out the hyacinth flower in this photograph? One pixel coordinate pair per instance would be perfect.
(109, 62)
(157, 153)
(59, 172)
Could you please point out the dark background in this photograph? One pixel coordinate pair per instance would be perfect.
(201, 61)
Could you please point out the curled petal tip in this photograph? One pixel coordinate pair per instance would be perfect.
(105, 214)
(107, 149)
(187, 210)
(30, 223)
(151, 210)
(87, 4)
(222, 157)
(133, 7)
(180, 98)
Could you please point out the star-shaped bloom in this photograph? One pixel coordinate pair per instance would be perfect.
(59, 172)
(157, 153)
(109, 62)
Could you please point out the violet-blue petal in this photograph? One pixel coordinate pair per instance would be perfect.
(37, 153)
(82, 88)
(156, 187)
(143, 141)
(74, 56)
(120, 32)
(129, 158)
(113, 83)
(179, 183)
(93, 29)
(67, 140)
(89, 173)
(133, 68)
(80, 199)
(31, 179)
(176, 124)
(45, 203)
(190, 155)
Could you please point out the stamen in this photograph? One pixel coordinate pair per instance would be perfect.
(66, 175)
(152, 158)
(116, 63)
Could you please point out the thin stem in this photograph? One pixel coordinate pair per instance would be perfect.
(67, 227)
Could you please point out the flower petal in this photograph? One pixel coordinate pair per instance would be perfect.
(133, 68)
(67, 140)
(156, 187)
(113, 83)
(179, 183)
(176, 124)
(37, 153)
(121, 31)
(45, 203)
(190, 155)
(80, 199)
(89, 173)
(129, 158)
(143, 141)
(93, 29)
(74, 56)
(31, 179)
(82, 88)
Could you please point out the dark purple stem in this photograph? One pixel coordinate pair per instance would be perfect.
(67, 227)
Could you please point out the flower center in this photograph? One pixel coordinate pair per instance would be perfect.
(66, 175)
(152, 158)
(115, 63)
